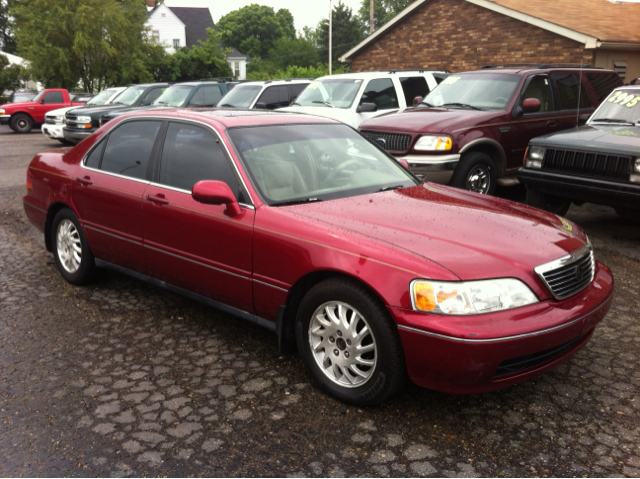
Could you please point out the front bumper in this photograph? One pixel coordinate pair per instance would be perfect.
(465, 355)
(53, 131)
(5, 119)
(76, 136)
(577, 188)
(437, 169)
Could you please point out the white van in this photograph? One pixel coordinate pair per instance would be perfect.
(356, 97)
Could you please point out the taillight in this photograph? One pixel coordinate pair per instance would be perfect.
(29, 185)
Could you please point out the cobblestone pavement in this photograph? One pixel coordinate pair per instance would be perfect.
(123, 379)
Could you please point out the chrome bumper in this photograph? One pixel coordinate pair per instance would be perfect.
(5, 116)
(437, 169)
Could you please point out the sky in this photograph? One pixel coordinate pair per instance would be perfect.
(306, 13)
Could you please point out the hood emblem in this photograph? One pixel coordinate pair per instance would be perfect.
(381, 142)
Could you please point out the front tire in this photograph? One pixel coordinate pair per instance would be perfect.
(21, 123)
(349, 343)
(552, 204)
(70, 249)
(476, 172)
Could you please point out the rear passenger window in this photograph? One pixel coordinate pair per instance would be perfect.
(413, 87)
(93, 160)
(129, 148)
(604, 83)
(382, 93)
(193, 154)
(570, 88)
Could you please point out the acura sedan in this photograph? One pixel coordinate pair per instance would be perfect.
(301, 225)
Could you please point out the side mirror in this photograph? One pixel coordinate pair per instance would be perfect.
(582, 119)
(210, 192)
(531, 105)
(417, 100)
(367, 108)
(261, 106)
(41, 101)
(404, 163)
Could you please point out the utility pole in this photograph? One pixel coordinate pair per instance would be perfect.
(330, 34)
(371, 16)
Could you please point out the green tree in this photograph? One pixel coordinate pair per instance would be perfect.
(10, 75)
(299, 51)
(293, 71)
(346, 32)
(383, 11)
(95, 42)
(7, 43)
(206, 60)
(254, 29)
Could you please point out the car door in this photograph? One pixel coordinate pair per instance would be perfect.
(51, 101)
(109, 189)
(191, 245)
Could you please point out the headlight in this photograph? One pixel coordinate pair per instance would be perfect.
(636, 165)
(83, 119)
(534, 157)
(1, 111)
(470, 297)
(433, 143)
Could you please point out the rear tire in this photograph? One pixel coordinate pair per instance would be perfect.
(475, 172)
(355, 365)
(552, 204)
(71, 250)
(21, 123)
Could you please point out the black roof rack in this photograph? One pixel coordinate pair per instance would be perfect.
(219, 79)
(539, 65)
(419, 70)
(287, 79)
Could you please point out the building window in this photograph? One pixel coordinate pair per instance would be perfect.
(236, 69)
(156, 35)
(176, 43)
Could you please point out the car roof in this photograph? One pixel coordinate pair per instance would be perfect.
(379, 73)
(202, 82)
(285, 81)
(524, 68)
(233, 117)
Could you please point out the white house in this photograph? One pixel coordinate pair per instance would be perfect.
(175, 27)
(16, 60)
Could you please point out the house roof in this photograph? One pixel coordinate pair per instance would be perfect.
(592, 22)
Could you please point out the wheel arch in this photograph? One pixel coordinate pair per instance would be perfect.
(491, 148)
(53, 210)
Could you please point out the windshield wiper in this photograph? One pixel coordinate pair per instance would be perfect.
(161, 103)
(389, 188)
(464, 105)
(297, 202)
(612, 120)
(324, 103)
(226, 104)
(295, 103)
(425, 103)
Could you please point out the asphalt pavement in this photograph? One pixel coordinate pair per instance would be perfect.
(122, 379)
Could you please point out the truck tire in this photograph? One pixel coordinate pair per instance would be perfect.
(476, 172)
(552, 204)
(21, 123)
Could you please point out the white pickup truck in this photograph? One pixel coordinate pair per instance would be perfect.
(356, 97)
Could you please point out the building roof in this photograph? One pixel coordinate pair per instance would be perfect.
(591, 22)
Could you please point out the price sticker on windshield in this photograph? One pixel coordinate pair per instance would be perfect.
(624, 99)
(450, 80)
(313, 85)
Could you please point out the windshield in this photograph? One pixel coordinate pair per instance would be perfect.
(38, 96)
(174, 96)
(130, 95)
(102, 97)
(621, 106)
(305, 163)
(333, 92)
(240, 96)
(477, 90)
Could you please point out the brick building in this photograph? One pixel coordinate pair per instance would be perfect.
(468, 34)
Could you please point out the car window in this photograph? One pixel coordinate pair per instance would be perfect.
(93, 160)
(330, 93)
(53, 97)
(540, 89)
(413, 87)
(381, 92)
(569, 90)
(153, 95)
(191, 154)
(212, 95)
(296, 89)
(241, 96)
(274, 97)
(197, 99)
(604, 83)
(129, 148)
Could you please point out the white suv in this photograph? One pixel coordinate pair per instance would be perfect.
(264, 95)
(356, 97)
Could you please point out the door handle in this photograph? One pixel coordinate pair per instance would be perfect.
(552, 124)
(86, 181)
(160, 199)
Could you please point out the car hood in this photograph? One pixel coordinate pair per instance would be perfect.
(99, 109)
(345, 115)
(471, 235)
(130, 109)
(18, 105)
(420, 120)
(602, 137)
(60, 111)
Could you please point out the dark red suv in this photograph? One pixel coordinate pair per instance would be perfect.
(473, 129)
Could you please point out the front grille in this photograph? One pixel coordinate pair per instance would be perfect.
(393, 141)
(588, 164)
(521, 363)
(570, 274)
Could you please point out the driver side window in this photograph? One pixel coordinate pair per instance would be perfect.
(540, 89)
(382, 93)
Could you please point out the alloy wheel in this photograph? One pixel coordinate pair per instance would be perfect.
(69, 246)
(479, 179)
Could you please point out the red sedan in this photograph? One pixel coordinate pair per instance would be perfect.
(301, 225)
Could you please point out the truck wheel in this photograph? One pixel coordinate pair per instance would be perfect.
(21, 123)
(475, 172)
(552, 204)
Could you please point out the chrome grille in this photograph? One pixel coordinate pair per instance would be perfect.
(570, 274)
(587, 164)
(393, 141)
